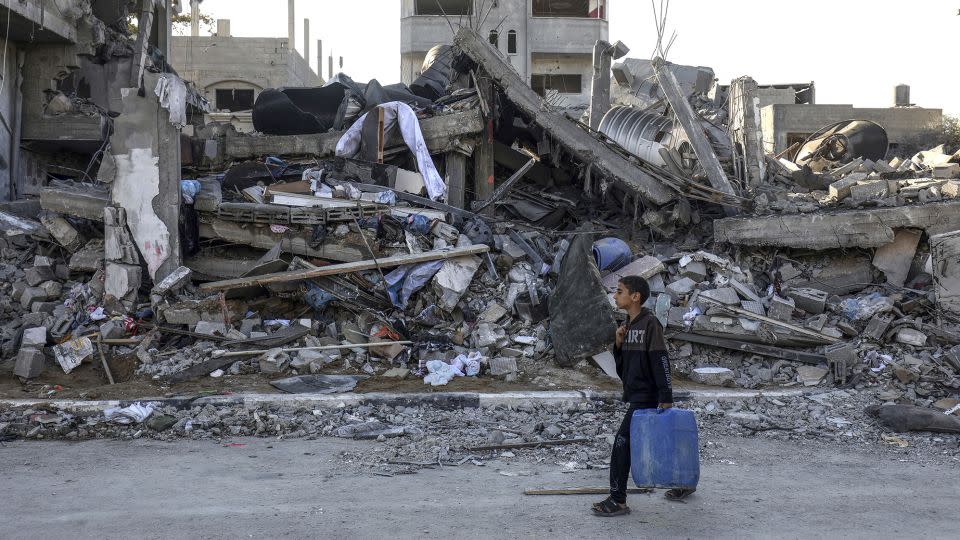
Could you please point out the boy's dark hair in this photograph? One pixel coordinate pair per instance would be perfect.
(636, 284)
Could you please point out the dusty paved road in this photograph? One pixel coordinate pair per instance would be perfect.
(300, 489)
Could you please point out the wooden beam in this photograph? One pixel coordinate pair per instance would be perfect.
(346, 268)
(480, 206)
(565, 131)
(456, 177)
(691, 125)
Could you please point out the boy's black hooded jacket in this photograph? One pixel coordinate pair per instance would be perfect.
(643, 363)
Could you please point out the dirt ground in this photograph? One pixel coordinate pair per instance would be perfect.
(89, 382)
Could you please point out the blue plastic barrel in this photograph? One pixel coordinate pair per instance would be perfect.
(664, 452)
(611, 254)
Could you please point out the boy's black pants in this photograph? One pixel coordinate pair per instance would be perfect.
(620, 458)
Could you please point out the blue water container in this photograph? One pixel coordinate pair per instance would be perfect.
(664, 452)
(611, 254)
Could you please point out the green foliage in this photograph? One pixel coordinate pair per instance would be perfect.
(181, 23)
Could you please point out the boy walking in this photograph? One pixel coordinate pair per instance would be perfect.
(644, 368)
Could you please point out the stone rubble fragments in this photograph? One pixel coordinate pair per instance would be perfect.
(234, 260)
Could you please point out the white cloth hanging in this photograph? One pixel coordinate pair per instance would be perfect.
(394, 111)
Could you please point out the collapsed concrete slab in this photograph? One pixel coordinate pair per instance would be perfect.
(584, 146)
(441, 133)
(821, 231)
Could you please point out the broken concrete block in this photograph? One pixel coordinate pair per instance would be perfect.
(745, 291)
(895, 258)
(34, 338)
(911, 336)
(274, 361)
(817, 323)
(181, 315)
(112, 329)
(841, 189)
(17, 291)
(177, 279)
(950, 170)
(29, 364)
(493, 313)
(712, 376)
(905, 375)
(781, 308)
(122, 281)
(31, 295)
(841, 359)
(89, 258)
(33, 319)
(811, 375)
(869, 191)
(52, 288)
(46, 308)
(945, 251)
(35, 275)
(396, 373)
(695, 270)
(812, 301)
(878, 326)
(725, 295)
(211, 328)
(681, 287)
(62, 231)
(645, 267)
(503, 366)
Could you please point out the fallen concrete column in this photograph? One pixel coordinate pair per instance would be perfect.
(585, 147)
(858, 228)
(691, 125)
(145, 176)
(441, 134)
(87, 204)
(745, 129)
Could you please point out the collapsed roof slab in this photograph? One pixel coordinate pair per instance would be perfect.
(857, 228)
(441, 134)
(578, 141)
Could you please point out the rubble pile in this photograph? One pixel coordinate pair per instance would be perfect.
(413, 437)
(465, 233)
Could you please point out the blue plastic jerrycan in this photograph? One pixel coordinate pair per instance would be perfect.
(664, 452)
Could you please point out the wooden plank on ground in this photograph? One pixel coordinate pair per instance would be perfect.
(346, 268)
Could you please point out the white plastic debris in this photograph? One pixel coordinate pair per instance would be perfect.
(131, 414)
(440, 373)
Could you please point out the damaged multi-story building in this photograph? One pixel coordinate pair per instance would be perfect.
(91, 100)
(230, 71)
(549, 42)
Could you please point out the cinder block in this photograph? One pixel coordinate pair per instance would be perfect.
(31, 295)
(781, 308)
(812, 301)
(34, 338)
(29, 363)
(869, 191)
(35, 275)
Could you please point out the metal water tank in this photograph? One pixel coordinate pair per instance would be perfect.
(640, 133)
(901, 95)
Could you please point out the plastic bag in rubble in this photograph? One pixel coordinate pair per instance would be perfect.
(131, 414)
(418, 224)
(189, 189)
(440, 373)
(865, 307)
(387, 197)
(691, 316)
(408, 279)
(468, 364)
